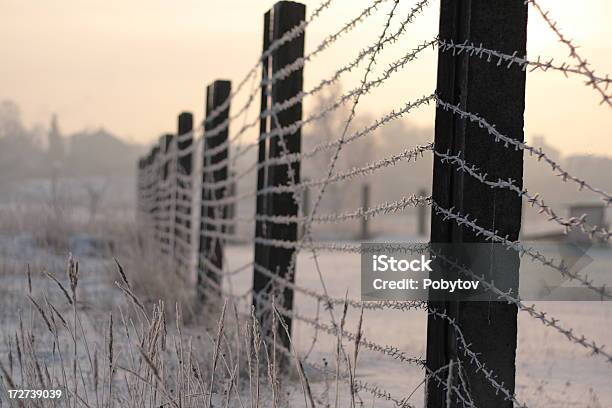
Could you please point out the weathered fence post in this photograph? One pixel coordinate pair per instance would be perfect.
(284, 16)
(260, 257)
(497, 94)
(140, 190)
(156, 194)
(167, 200)
(365, 204)
(210, 254)
(184, 163)
(230, 210)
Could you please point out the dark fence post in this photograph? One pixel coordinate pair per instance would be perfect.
(283, 17)
(167, 221)
(365, 203)
(230, 211)
(210, 254)
(155, 193)
(184, 163)
(140, 190)
(497, 94)
(260, 257)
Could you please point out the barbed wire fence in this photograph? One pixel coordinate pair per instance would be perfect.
(188, 191)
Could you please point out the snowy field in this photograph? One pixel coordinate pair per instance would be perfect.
(551, 371)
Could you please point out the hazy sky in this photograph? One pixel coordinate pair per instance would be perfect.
(131, 66)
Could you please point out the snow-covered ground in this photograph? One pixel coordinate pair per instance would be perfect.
(551, 371)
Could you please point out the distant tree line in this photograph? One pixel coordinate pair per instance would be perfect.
(36, 152)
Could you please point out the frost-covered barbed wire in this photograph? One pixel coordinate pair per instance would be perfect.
(279, 243)
(388, 350)
(388, 207)
(473, 358)
(364, 88)
(174, 153)
(291, 173)
(281, 106)
(306, 238)
(493, 236)
(331, 301)
(287, 37)
(319, 246)
(501, 58)
(234, 271)
(190, 134)
(320, 147)
(593, 231)
(377, 391)
(547, 320)
(472, 170)
(363, 83)
(539, 153)
(285, 71)
(358, 384)
(407, 156)
(583, 64)
(327, 300)
(451, 389)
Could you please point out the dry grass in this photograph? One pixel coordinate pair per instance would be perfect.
(140, 349)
